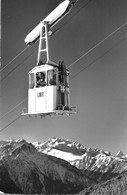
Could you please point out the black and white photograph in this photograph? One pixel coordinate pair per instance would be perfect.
(63, 97)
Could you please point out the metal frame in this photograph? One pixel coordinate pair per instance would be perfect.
(71, 110)
(44, 38)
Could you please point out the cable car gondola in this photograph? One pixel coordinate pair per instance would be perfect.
(48, 91)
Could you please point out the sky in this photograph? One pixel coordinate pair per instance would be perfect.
(98, 81)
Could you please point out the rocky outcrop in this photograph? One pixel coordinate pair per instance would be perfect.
(60, 167)
(7, 185)
(115, 186)
(25, 170)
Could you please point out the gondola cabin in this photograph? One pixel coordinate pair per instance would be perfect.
(48, 91)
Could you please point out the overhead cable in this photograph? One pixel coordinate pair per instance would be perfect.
(70, 80)
(90, 64)
(55, 31)
(74, 15)
(10, 123)
(14, 59)
(77, 61)
(13, 109)
(98, 44)
(17, 66)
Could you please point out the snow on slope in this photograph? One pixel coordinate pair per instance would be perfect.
(25, 170)
(60, 144)
(64, 149)
(121, 155)
(93, 162)
(39, 168)
(63, 155)
(73, 151)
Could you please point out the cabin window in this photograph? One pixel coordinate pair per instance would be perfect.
(40, 79)
(52, 77)
(31, 80)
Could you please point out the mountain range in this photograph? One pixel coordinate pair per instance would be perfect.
(59, 166)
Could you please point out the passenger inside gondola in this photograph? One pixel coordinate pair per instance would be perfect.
(51, 77)
(40, 79)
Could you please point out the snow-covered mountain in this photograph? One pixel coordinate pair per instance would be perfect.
(121, 155)
(23, 169)
(98, 164)
(60, 148)
(56, 166)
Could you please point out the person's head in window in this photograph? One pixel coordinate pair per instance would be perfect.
(40, 79)
(42, 76)
(52, 77)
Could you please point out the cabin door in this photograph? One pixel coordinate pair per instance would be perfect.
(41, 92)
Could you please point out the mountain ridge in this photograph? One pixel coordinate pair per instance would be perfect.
(95, 163)
(35, 172)
(56, 166)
